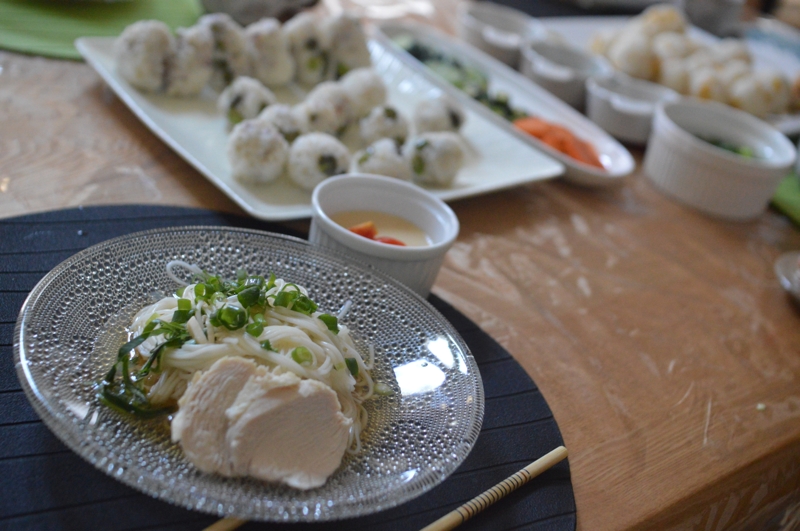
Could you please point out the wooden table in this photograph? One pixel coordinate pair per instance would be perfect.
(663, 343)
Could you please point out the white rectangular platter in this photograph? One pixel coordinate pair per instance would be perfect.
(195, 130)
(579, 30)
(523, 94)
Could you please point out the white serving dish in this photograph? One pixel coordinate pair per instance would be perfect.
(624, 106)
(193, 128)
(496, 29)
(416, 267)
(578, 31)
(523, 93)
(562, 69)
(707, 177)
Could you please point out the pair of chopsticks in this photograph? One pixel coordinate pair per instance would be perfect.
(477, 504)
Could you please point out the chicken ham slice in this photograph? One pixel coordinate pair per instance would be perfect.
(283, 428)
(200, 424)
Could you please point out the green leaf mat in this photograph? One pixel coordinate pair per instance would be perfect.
(49, 27)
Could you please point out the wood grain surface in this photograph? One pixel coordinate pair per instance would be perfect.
(660, 338)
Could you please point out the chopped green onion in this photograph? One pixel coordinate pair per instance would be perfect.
(266, 345)
(182, 316)
(232, 318)
(200, 290)
(180, 290)
(330, 321)
(418, 164)
(259, 318)
(184, 305)
(352, 366)
(254, 329)
(302, 356)
(241, 274)
(249, 296)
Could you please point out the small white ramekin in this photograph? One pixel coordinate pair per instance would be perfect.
(496, 29)
(416, 267)
(624, 106)
(562, 69)
(710, 178)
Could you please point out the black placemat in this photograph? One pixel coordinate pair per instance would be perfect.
(45, 486)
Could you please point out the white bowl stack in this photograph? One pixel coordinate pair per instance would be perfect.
(707, 177)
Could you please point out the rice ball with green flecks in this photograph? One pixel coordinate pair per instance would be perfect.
(384, 157)
(257, 152)
(438, 114)
(230, 59)
(289, 121)
(268, 47)
(314, 157)
(142, 52)
(320, 116)
(244, 99)
(307, 47)
(365, 88)
(190, 67)
(384, 122)
(335, 94)
(348, 45)
(434, 158)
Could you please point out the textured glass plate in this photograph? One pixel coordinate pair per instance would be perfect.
(195, 130)
(73, 322)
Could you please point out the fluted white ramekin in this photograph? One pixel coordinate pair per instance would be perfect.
(709, 178)
(416, 267)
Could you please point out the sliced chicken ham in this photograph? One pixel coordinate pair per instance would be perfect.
(240, 419)
(200, 424)
(283, 428)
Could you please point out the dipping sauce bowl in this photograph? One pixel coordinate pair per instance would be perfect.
(416, 267)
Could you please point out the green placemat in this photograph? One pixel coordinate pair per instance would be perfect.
(49, 27)
(787, 197)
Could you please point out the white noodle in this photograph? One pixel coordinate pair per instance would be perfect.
(285, 329)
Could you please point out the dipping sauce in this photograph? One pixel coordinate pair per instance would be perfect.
(386, 225)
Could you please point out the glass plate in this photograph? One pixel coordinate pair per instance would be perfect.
(74, 320)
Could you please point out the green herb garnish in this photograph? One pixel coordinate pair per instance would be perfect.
(330, 321)
(352, 366)
(302, 356)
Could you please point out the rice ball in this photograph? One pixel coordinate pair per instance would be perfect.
(384, 157)
(257, 152)
(674, 74)
(141, 53)
(778, 88)
(270, 57)
(704, 83)
(190, 68)
(384, 122)
(348, 45)
(286, 120)
(660, 19)
(244, 99)
(231, 59)
(633, 54)
(434, 158)
(366, 89)
(672, 45)
(733, 71)
(438, 114)
(730, 50)
(308, 48)
(314, 157)
(749, 95)
(335, 94)
(319, 115)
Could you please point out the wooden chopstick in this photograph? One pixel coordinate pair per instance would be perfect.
(482, 501)
(477, 504)
(226, 524)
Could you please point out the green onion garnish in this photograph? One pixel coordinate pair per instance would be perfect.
(249, 296)
(254, 329)
(330, 321)
(352, 366)
(302, 356)
(266, 345)
(232, 318)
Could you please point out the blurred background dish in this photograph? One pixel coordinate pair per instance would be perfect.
(562, 69)
(787, 269)
(497, 30)
(720, 160)
(624, 106)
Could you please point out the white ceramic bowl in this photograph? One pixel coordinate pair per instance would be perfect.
(496, 29)
(709, 178)
(624, 106)
(416, 267)
(562, 69)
